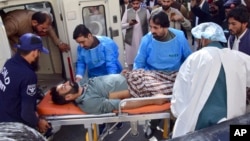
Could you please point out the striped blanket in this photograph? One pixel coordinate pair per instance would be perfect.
(142, 83)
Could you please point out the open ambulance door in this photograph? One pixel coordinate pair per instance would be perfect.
(51, 70)
(5, 48)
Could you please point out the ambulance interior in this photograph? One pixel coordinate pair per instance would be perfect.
(56, 66)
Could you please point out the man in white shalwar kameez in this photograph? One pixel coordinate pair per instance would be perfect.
(196, 87)
(135, 21)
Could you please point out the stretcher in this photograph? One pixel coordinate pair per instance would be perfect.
(70, 114)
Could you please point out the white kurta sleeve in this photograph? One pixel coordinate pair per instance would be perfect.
(125, 24)
(181, 89)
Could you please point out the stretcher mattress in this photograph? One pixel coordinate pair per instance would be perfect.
(47, 108)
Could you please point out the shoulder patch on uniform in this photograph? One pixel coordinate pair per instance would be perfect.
(31, 89)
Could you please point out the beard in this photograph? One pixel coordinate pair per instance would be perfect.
(35, 64)
(158, 37)
(237, 32)
(165, 7)
(75, 87)
(40, 33)
(213, 11)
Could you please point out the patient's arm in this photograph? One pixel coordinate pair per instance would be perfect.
(141, 103)
(119, 94)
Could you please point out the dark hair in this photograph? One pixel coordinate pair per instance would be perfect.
(160, 18)
(219, 3)
(134, 0)
(23, 52)
(42, 16)
(57, 98)
(81, 30)
(240, 14)
(121, 2)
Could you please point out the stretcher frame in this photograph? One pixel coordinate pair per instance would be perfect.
(89, 120)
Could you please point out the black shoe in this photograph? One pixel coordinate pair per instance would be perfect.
(102, 128)
(119, 125)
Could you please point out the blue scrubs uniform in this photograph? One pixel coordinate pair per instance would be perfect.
(101, 60)
(162, 56)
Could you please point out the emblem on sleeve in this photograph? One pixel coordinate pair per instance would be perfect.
(31, 89)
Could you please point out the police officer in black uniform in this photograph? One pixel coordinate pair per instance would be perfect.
(18, 82)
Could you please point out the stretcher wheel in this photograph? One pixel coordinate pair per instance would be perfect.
(94, 137)
(134, 134)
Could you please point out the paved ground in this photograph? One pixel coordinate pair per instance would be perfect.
(77, 133)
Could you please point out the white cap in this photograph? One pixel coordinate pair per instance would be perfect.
(209, 30)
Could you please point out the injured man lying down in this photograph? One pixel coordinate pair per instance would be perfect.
(103, 94)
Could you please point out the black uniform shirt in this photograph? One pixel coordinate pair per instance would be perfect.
(18, 92)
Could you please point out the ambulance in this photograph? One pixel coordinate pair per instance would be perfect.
(67, 14)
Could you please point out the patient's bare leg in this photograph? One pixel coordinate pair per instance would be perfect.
(119, 94)
(141, 103)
